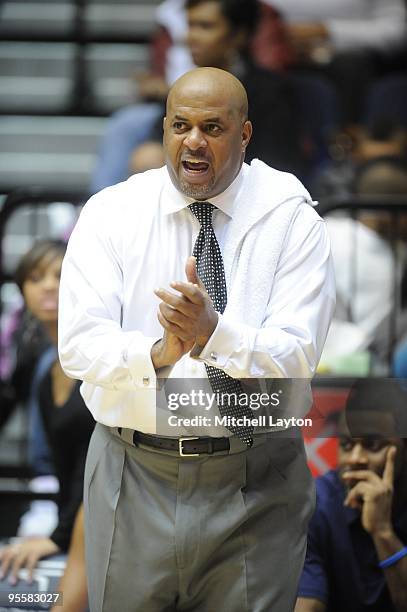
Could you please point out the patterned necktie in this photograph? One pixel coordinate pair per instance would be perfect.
(211, 272)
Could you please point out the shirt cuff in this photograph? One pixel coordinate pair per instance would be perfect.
(141, 367)
(224, 341)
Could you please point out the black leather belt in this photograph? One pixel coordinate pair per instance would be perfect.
(185, 447)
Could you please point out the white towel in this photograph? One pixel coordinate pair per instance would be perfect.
(260, 225)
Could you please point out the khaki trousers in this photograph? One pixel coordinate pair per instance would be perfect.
(215, 533)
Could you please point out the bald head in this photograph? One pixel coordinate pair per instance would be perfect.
(206, 132)
(214, 83)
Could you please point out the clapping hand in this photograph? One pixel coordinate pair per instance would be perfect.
(187, 317)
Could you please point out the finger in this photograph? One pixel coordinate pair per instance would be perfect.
(388, 473)
(18, 563)
(31, 565)
(178, 302)
(7, 556)
(172, 315)
(170, 327)
(356, 503)
(193, 293)
(173, 329)
(361, 475)
(192, 273)
(357, 494)
(169, 313)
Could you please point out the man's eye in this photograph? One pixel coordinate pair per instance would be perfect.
(178, 125)
(346, 444)
(34, 277)
(212, 128)
(375, 444)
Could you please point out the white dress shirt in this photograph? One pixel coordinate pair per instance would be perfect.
(120, 251)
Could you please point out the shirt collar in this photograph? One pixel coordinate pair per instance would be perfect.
(174, 200)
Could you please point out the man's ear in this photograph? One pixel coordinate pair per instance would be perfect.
(247, 131)
(164, 122)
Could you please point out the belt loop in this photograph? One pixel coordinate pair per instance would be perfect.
(126, 434)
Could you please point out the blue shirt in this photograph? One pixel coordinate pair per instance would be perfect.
(341, 562)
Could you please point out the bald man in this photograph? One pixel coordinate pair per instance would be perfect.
(180, 289)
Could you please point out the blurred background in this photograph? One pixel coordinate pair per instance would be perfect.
(82, 87)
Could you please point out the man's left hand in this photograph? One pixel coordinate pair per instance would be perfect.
(190, 315)
(373, 495)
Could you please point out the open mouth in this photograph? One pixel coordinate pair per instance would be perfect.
(195, 167)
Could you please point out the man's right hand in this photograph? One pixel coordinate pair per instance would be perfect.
(169, 350)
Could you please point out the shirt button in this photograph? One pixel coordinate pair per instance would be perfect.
(214, 356)
(146, 381)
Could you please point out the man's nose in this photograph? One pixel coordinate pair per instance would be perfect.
(195, 139)
(358, 456)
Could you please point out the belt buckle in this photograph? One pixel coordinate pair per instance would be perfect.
(181, 450)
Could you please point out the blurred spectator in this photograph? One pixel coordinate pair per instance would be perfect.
(363, 264)
(148, 156)
(360, 521)
(67, 422)
(387, 97)
(219, 34)
(348, 39)
(365, 269)
(28, 340)
(400, 362)
(170, 56)
(400, 357)
(131, 126)
(270, 46)
(371, 160)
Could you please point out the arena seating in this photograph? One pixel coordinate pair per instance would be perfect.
(64, 66)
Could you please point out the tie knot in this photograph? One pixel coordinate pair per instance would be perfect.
(203, 212)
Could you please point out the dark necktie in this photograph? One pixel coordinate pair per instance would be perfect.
(212, 273)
